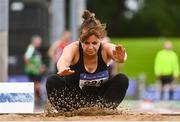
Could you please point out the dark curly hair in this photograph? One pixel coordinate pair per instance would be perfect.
(91, 26)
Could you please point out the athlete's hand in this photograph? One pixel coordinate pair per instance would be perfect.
(66, 72)
(119, 53)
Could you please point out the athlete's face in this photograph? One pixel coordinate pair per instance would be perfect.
(91, 45)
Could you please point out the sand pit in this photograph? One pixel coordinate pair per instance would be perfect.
(122, 116)
(127, 111)
(93, 114)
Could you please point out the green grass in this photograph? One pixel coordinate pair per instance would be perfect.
(141, 53)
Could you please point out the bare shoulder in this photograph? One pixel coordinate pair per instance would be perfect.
(106, 49)
(72, 50)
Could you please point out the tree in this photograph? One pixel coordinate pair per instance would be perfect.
(109, 12)
(155, 18)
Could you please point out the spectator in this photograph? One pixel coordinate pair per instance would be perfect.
(166, 68)
(33, 65)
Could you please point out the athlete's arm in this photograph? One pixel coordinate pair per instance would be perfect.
(66, 59)
(116, 52)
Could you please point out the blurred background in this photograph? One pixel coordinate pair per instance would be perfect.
(141, 26)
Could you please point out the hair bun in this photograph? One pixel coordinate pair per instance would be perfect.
(87, 14)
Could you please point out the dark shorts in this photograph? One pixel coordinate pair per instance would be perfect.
(34, 78)
(166, 79)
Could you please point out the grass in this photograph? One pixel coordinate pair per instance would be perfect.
(141, 53)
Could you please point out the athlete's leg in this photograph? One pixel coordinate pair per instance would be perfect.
(54, 87)
(116, 90)
(63, 95)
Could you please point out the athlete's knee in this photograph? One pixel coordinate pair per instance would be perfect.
(122, 80)
(54, 81)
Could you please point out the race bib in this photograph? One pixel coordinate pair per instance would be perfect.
(95, 79)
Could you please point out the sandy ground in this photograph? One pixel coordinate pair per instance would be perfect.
(127, 111)
(122, 116)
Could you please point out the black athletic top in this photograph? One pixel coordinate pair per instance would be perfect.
(82, 78)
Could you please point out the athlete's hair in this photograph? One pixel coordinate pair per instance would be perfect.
(91, 26)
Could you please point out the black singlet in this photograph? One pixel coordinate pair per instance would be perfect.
(82, 78)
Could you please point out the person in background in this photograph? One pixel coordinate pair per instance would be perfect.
(83, 79)
(167, 68)
(57, 47)
(34, 68)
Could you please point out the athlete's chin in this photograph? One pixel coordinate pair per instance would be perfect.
(90, 53)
